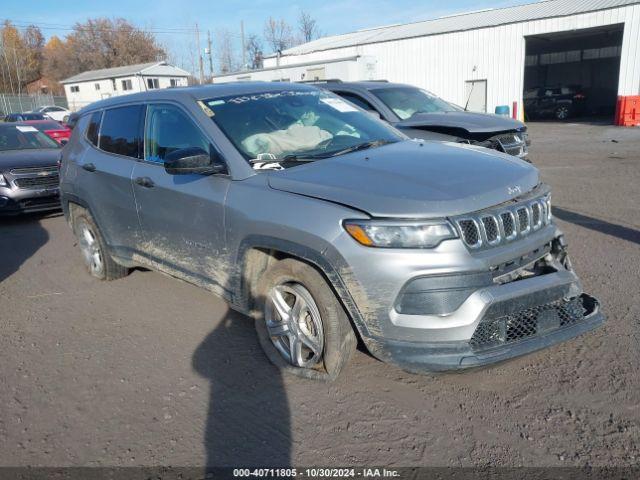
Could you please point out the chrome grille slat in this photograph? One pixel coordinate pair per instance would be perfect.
(470, 232)
(36, 170)
(491, 229)
(508, 222)
(524, 223)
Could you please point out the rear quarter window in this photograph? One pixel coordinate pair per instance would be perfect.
(121, 131)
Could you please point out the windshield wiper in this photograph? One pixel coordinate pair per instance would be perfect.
(361, 146)
(302, 157)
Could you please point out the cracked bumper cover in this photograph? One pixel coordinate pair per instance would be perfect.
(442, 342)
(442, 356)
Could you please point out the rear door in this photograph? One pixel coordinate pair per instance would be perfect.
(182, 216)
(115, 143)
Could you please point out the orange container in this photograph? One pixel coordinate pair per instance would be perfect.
(628, 111)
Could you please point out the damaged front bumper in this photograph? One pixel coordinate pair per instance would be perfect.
(542, 330)
(463, 319)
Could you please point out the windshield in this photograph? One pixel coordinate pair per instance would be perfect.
(24, 137)
(296, 125)
(407, 102)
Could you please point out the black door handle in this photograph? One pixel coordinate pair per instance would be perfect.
(89, 167)
(144, 182)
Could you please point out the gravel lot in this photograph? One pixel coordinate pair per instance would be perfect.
(149, 370)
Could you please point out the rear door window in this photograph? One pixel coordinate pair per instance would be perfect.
(121, 131)
(94, 127)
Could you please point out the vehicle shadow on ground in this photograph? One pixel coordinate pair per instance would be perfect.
(20, 238)
(248, 422)
(619, 231)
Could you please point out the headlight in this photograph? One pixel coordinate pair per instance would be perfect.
(399, 234)
(3, 181)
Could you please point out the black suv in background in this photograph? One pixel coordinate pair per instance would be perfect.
(560, 103)
(421, 114)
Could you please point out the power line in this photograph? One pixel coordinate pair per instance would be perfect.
(186, 30)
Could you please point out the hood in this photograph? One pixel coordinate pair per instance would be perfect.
(410, 179)
(470, 121)
(29, 158)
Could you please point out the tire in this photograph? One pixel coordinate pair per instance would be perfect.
(95, 252)
(563, 112)
(321, 321)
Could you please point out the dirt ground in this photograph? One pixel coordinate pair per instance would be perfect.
(151, 371)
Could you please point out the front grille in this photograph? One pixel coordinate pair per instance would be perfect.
(491, 230)
(470, 232)
(511, 143)
(504, 223)
(527, 323)
(37, 182)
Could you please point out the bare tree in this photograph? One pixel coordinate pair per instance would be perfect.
(278, 34)
(307, 27)
(254, 51)
(226, 52)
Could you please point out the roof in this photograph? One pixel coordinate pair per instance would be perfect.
(126, 71)
(459, 22)
(198, 92)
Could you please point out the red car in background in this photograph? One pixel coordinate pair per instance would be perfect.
(53, 129)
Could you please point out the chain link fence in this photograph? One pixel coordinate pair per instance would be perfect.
(11, 103)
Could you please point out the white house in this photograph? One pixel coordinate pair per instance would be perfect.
(486, 58)
(87, 87)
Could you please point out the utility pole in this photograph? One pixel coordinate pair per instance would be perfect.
(209, 52)
(201, 67)
(244, 47)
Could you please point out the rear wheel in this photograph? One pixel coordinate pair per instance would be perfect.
(303, 328)
(562, 112)
(94, 251)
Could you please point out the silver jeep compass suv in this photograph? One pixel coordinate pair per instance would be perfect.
(324, 224)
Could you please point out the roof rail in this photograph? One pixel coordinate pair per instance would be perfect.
(328, 80)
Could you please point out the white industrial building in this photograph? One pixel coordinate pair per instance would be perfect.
(486, 58)
(87, 87)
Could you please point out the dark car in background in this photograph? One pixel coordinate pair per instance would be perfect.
(55, 130)
(22, 117)
(421, 114)
(28, 170)
(557, 102)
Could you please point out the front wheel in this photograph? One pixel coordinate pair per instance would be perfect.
(303, 328)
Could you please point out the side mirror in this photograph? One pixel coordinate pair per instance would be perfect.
(192, 160)
(375, 114)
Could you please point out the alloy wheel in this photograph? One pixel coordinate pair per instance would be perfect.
(90, 248)
(294, 324)
(562, 113)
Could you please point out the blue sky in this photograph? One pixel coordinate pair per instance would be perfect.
(333, 16)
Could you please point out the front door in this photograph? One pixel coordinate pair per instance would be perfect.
(182, 216)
